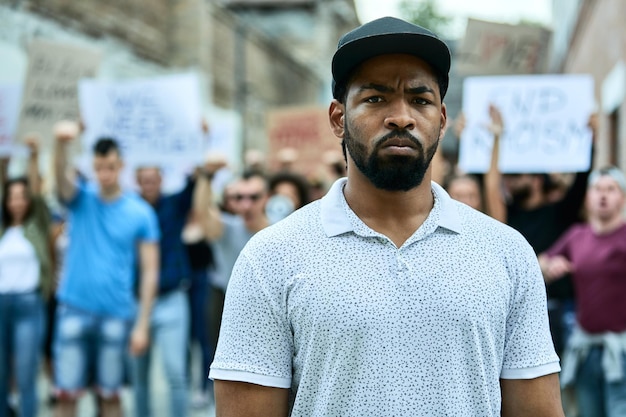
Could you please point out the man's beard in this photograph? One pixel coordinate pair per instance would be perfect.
(390, 173)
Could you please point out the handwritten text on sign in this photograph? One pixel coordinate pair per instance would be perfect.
(545, 123)
(50, 93)
(155, 120)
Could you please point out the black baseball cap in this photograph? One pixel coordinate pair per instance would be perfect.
(388, 35)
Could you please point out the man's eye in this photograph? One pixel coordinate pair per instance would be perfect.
(422, 101)
(374, 99)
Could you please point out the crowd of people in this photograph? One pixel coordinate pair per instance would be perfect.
(88, 291)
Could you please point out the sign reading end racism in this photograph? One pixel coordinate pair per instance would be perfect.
(545, 123)
(51, 89)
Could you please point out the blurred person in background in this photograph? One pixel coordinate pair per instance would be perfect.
(170, 318)
(289, 191)
(594, 253)
(229, 233)
(25, 283)
(98, 318)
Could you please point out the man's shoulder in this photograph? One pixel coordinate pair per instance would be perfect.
(302, 225)
(481, 225)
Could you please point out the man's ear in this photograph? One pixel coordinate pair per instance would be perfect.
(444, 121)
(336, 115)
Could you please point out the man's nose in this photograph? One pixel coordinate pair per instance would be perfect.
(400, 116)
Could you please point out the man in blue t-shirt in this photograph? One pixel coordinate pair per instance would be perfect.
(111, 233)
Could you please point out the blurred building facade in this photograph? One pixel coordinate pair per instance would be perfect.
(590, 38)
(251, 55)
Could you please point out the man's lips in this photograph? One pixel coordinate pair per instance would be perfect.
(399, 143)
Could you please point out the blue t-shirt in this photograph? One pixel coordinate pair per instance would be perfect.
(100, 264)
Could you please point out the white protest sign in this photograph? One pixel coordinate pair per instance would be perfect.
(50, 92)
(157, 121)
(10, 96)
(545, 123)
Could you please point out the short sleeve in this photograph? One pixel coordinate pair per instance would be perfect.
(529, 350)
(80, 193)
(149, 230)
(255, 342)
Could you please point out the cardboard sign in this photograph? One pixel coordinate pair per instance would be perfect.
(545, 123)
(156, 121)
(305, 129)
(10, 97)
(490, 48)
(50, 92)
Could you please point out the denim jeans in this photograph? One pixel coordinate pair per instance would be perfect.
(198, 299)
(597, 397)
(169, 330)
(86, 343)
(21, 336)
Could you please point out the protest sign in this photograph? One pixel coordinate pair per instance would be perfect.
(50, 91)
(490, 48)
(305, 129)
(545, 123)
(10, 96)
(157, 121)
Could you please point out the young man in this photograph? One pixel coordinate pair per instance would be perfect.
(595, 255)
(111, 233)
(387, 297)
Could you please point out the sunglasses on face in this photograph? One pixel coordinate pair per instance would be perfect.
(252, 197)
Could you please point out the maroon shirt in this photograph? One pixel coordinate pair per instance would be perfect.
(599, 263)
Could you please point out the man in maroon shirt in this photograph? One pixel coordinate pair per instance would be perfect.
(595, 254)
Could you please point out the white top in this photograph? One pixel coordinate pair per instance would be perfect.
(322, 304)
(19, 266)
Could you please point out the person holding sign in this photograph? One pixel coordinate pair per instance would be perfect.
(25, 283)
(98, 320)
(387, 297)
(595, 255)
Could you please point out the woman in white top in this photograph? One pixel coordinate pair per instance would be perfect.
(25, 281)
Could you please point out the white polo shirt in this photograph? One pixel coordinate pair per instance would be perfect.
(324, 305)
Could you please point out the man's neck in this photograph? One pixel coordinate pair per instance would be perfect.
(112, 193)
(396, 214)
(256, 224)
(606, 226)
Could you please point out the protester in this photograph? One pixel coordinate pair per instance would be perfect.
(595, 254)
(229, 233)
(387, 297)
(112, 232)
(291, 185)
(25, 283)
(169, 322)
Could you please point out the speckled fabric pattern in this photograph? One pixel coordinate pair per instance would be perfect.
(354, 326)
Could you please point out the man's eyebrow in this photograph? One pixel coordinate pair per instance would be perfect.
(377, 87)
(387, 89)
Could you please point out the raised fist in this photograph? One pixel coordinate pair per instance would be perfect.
(66, 131)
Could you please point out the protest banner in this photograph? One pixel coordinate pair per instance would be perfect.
(545, 123)
(157, 121)
(51, 91)
(10, 96)
(305, 129)
(490, 48)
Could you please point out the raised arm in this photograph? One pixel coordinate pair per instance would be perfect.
(34, 178)
(204, 207)
(494, 201)
(64, 133)
(149, 275)
(241, 399)
(538, 397)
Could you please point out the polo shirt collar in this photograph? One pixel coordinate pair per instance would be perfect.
(335, 220)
